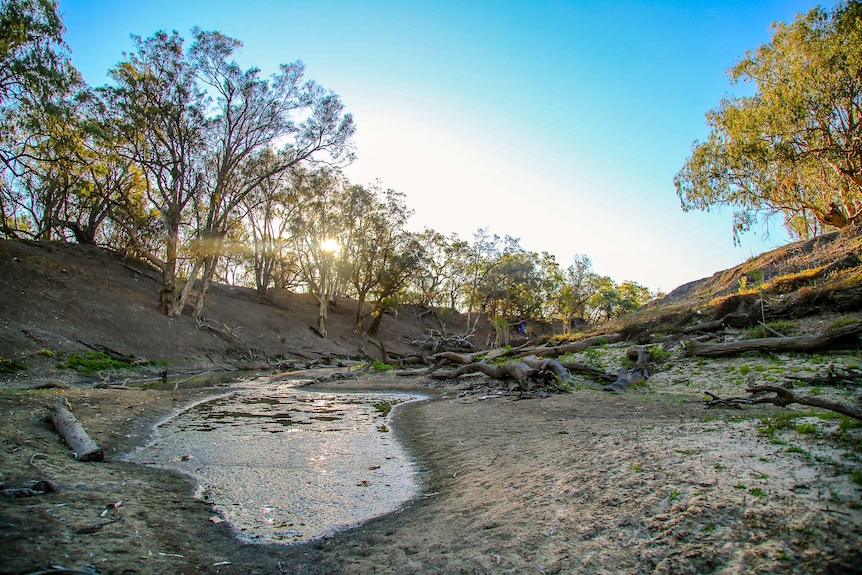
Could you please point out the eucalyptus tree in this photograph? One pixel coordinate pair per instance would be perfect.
(161, 111)
(573, 296)
(313, 237)
(251, 115)
(442, 271)
(193, 120)
(794, 147)
(269, 211)
(36, 80)
(379, 256)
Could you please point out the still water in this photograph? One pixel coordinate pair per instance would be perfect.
(284, 464)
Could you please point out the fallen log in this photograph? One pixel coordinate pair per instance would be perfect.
(38, 488)
(784, 397)
(515, 370)
(558, 350)
(636, 375)
(837, 336)
(71, 430)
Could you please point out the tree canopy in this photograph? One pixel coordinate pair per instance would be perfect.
(793, 148)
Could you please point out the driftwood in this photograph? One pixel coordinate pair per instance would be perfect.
(784, 397)
(68, 426)
(226, 333)
(436, 341)
(734, 402)
(38, 488)
(841, 335)
(532, 370)
(635, 375)
(834, 376)
(558, 350)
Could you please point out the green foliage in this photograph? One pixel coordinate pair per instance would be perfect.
(658, 354)
(94, 361)
(806, 428)
(789, 148)
(10, 365)
(46, 352)
(784, 327)
(378, 366)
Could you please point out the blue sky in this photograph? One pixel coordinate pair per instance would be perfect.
(562, 123)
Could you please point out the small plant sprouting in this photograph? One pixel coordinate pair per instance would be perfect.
(636, 467)
(674, 495)
(757, 491)
(383, 407)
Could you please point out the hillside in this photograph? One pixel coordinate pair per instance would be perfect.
(58, 299)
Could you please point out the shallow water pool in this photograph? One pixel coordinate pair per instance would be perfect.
(284, 464)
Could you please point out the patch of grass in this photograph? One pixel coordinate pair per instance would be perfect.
(636, 467)
(674, 495)
(757, 491)
(94, 361)
(658, 354)
(378, 366)
(739, 486)
(46, 352)
(744, 369)
(848, 423)
(797, 449)
(806, 428)
(10, 365)
(856, 476)
(384, 407)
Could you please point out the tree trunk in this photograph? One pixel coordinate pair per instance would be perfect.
(168, 294)
(375, 323)
(323, 311)
(210, 264)
(68, 426)
(360, 315)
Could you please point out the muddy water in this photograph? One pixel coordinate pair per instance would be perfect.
(284, 464)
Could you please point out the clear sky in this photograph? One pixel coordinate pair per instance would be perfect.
(562, 123)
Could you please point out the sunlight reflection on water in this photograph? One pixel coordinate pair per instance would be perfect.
(284, 464)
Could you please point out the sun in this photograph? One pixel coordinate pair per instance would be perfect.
(330, 245)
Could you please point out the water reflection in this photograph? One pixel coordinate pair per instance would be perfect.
(286, 464)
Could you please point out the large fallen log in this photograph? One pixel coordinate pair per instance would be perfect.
(841, 335)
(784, 397)
(71, 430)
(558, 350)
(518, 371)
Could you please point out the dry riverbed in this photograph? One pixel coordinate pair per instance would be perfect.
(586, 482)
